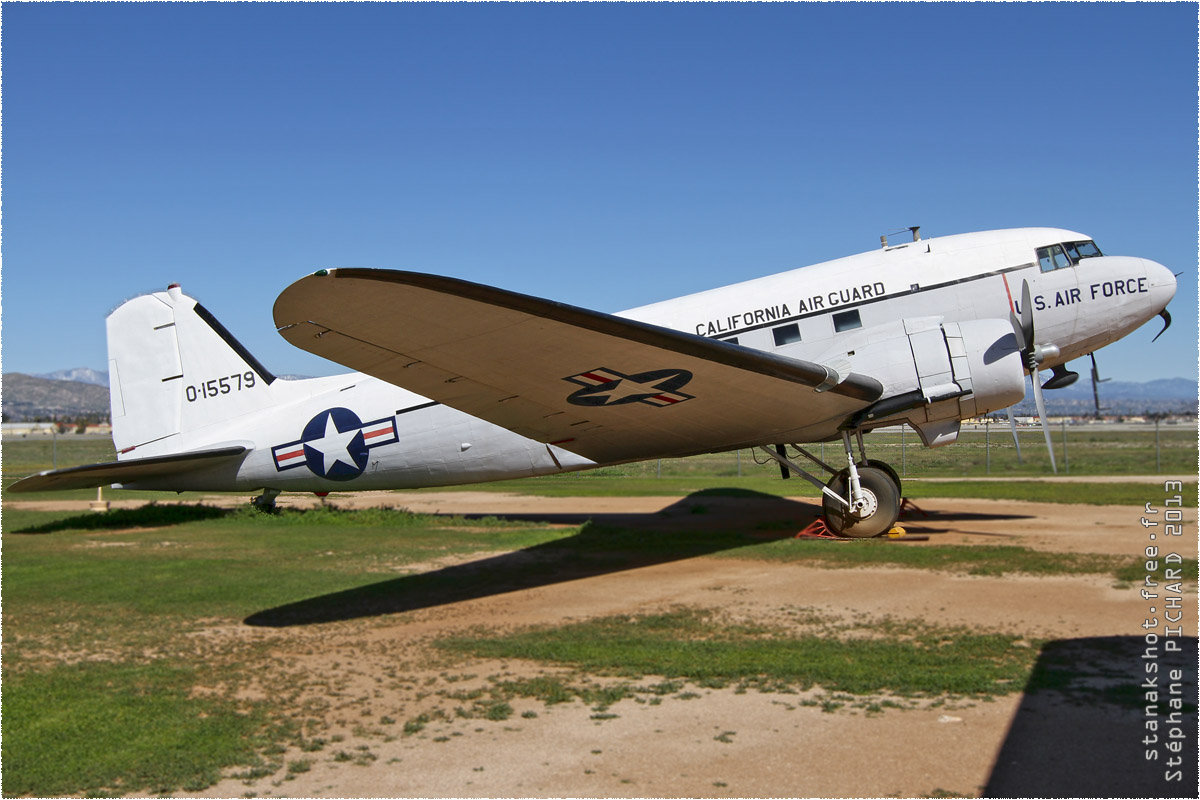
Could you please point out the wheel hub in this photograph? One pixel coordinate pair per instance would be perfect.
(870, 504)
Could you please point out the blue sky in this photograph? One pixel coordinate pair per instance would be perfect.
(602, 155)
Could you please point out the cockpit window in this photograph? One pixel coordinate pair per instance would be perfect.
(1052, 258)
(1058, 256)
(1081, 250)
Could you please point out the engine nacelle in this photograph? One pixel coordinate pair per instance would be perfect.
(985, 362)
(936, 374)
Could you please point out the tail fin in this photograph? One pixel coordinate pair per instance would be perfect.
(174, 369)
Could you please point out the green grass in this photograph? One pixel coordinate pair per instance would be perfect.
(101, 669)
(696, 646)
(108, 689)
(1090, 451)
(98, 726)
(220, 562)
(854, 664)
(37, 453)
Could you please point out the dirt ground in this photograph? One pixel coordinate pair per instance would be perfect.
(719, 742)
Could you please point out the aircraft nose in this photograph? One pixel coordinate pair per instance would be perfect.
(1162, 284)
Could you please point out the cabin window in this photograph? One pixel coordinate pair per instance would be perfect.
(847, 321)
(786, 334)
(1052, 258)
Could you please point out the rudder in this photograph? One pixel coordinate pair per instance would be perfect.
(174, 369)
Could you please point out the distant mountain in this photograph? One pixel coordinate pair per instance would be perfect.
(1162, 389)
(27, 397)
(1165, 395)
(81, 374)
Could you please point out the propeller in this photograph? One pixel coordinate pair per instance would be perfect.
(1041, 409)
(1033, 355)
(1166, 315)
(1012, 424)
(1096, 381)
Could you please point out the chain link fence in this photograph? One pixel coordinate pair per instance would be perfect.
(981, 451)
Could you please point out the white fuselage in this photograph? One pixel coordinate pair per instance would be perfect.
(815, 313)
(965, 277)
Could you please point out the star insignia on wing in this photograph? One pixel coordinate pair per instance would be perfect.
(607, 387)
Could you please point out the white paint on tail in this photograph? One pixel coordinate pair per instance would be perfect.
(174, 371)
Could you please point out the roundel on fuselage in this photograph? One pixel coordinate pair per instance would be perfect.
(334, 446)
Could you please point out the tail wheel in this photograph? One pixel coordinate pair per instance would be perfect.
(882, 494)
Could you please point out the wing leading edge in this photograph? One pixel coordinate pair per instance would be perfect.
(608, 388)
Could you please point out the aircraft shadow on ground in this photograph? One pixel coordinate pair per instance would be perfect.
(698, 525)
(150, 515)
(703, 523)
(1079, 729)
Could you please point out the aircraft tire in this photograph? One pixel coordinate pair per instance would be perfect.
(883, 494)
(886, 467)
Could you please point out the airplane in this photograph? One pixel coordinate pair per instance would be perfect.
(458, 382)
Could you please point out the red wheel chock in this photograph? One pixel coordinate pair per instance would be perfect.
(817, 529)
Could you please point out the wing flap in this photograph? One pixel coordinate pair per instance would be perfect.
(608, 388)
(109, 472)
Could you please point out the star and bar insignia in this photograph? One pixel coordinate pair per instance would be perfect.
(607, 387)
(334, 444)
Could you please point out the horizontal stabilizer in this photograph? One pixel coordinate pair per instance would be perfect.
(127, 471)
(606, 387)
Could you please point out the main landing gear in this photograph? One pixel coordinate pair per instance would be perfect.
(861, 500)
(265, 501)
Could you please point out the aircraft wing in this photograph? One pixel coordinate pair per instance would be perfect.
(110, 472)
(608, 388)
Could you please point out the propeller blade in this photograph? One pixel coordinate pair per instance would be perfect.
(1166, 315)
(1041, 409)
(1017, 332)
(1027, 315)
(1095, 384)
(1096, 381)
(1012, 424)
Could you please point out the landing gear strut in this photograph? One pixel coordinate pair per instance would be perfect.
(878, 511)
(265, 501)
(861, 500)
